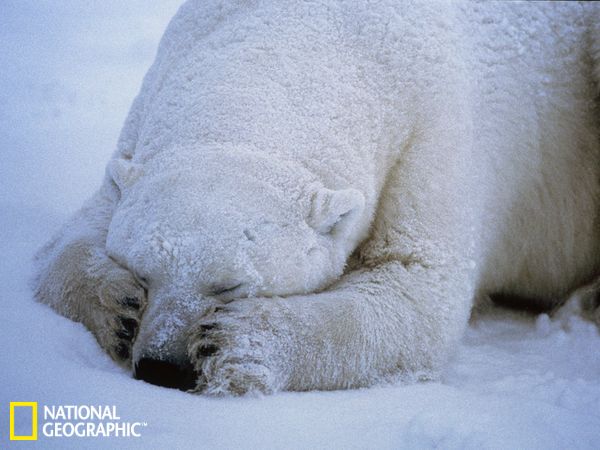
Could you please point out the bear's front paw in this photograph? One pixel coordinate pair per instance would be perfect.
(237, 349)
(117, 314)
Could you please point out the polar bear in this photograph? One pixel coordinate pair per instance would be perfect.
(313, 195)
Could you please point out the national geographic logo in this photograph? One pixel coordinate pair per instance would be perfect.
(70, 421)
(33, 406)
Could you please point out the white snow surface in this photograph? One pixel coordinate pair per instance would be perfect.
(70, 72)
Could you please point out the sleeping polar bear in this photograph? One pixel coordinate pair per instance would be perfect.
(312, 196)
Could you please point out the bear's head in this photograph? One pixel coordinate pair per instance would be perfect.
(217, 227)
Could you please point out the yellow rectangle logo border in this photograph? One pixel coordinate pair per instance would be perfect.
(34, 421)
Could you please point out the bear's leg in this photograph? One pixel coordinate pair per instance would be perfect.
(378, 323)
(75, 276)
(402, 312)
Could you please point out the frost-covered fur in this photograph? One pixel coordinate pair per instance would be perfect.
(312, 195)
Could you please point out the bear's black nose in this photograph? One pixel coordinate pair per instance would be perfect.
(166, 373)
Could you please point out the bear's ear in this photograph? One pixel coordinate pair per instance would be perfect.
(334, 211)
(123, 172)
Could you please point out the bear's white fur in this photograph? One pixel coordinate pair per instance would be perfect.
(313, 195)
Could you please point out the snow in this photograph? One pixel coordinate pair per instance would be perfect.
(515, 382)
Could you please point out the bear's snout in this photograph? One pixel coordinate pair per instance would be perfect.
(166, 373)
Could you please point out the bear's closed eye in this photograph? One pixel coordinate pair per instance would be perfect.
(224, 288)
